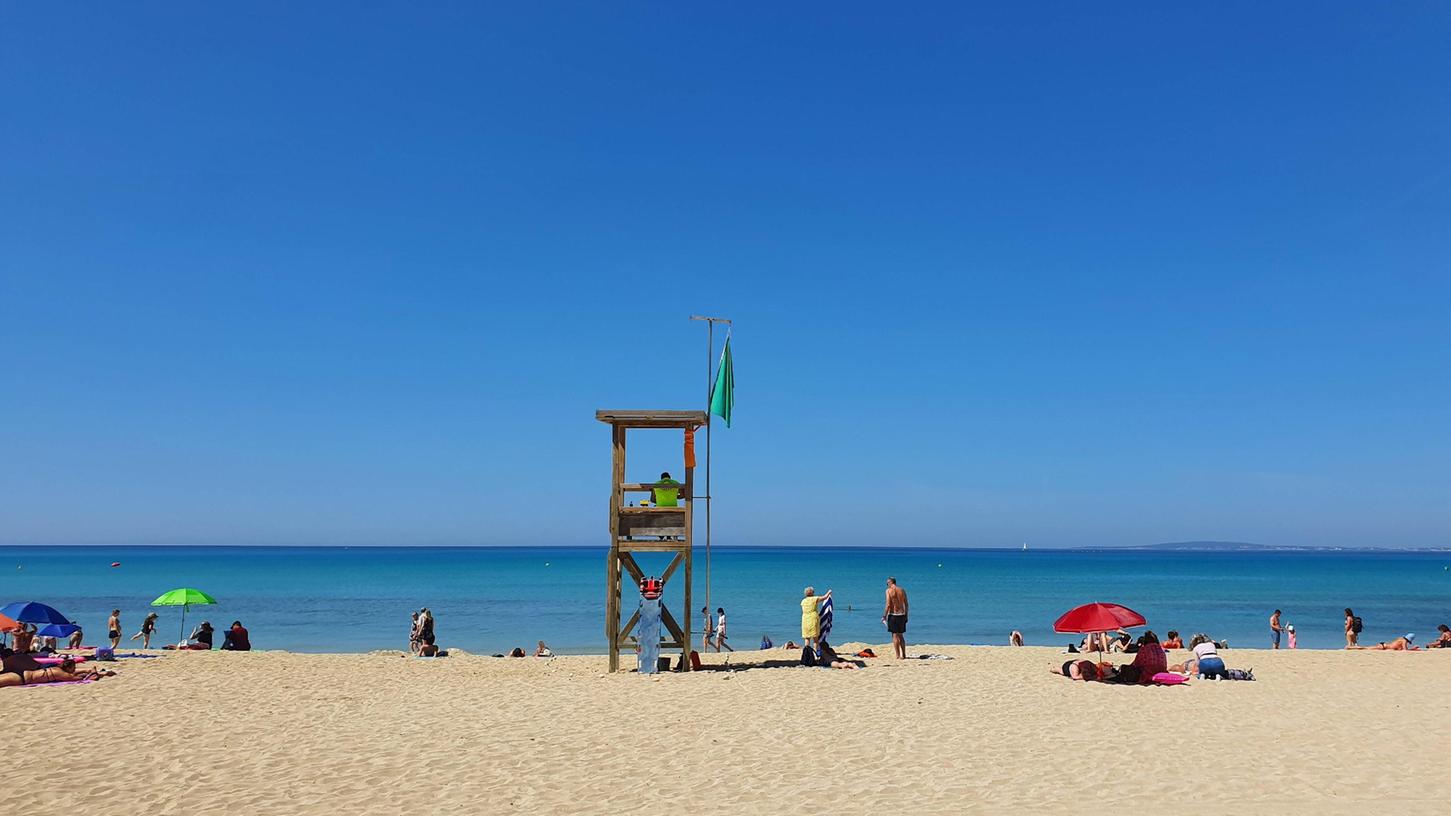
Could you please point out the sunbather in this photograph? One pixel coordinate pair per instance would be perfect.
(1404, 643)
(22, 670)
(1077, 670)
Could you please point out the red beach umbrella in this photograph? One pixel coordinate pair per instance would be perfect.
(1098, 617)
(8, 625)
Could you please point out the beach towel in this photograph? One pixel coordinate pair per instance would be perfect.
(826, 616)
(62, 683)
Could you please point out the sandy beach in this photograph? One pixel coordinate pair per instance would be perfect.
(988, 731)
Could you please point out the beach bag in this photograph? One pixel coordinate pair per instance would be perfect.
(808, 656)
(1356, 625)
(105, 653)
(1240, 674)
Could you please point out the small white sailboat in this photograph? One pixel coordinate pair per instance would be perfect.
(1025, 546)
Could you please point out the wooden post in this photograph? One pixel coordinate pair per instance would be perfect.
(613, 588)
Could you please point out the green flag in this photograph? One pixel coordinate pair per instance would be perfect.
(723, 393)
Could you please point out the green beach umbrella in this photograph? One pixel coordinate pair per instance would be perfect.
(184, 597)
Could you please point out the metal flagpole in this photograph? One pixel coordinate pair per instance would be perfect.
(709, 385)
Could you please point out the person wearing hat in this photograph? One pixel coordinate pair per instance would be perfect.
(1404, 643)
(1290, 634)
(147, 627)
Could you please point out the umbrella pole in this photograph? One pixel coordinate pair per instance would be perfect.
(181, 636)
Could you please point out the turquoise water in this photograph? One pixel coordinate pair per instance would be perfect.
(492, 599)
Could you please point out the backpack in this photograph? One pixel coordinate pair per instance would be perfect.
(808, 656)
(1355, 625)
(1240, 674)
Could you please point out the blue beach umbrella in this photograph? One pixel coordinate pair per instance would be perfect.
(57, 630)
(33, 612)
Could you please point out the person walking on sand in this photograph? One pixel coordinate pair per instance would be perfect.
(113, 629)
(811, 617)
(707, 637)
(147, 627)
(720, 630)
(894, 615)
(1275, 630)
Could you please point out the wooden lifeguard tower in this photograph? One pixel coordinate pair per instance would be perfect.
(648, 529)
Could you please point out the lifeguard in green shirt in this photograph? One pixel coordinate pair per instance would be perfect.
(667, 491)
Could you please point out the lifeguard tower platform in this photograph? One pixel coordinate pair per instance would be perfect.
(649, 530)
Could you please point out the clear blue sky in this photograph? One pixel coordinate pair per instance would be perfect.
(331, 273)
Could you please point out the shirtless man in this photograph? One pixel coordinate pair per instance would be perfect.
(1275, 629)
(894, 615)
(113, 627)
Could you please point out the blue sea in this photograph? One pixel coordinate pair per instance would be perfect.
(487, 600)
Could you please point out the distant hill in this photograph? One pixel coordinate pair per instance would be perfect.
(1208, 545)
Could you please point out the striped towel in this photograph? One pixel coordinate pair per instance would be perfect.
(826, 614)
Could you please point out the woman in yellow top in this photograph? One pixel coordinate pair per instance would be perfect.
(810, 620)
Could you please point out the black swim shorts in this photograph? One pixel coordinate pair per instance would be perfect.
(897, 624)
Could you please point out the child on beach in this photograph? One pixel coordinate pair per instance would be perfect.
(1290, 634)
(147, 627)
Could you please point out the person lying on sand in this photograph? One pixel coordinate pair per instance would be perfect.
(1084, 670)
(16, 672)
(1404, 643)
(829, 659)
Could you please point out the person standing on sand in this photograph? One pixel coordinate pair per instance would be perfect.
(147, 627)
(707, 637)
(811, 617)
(720, 630)
(894, 615)
(113, 628)
(1352, 637)
(1275, 630)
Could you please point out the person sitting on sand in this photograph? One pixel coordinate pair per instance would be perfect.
(25, 638)
(148, 625)
(1173, 641)
(200, 640)
(1123, 643)
(236, 639)
(1443, 640)
(1016, 638)
(22, 670)
(1077, 670)
(1404, 643)
(429, 649)
(791, 646)
(543, 651)
(1148, 661)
